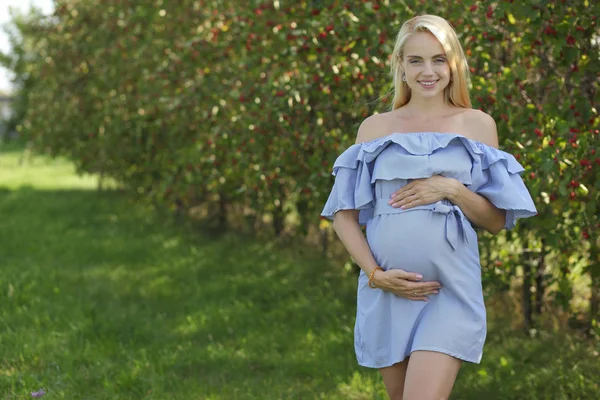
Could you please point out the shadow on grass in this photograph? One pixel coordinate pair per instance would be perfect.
(105, 299)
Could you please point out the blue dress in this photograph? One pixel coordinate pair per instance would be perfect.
(435, 240)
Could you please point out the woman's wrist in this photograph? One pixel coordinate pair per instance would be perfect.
(375, 271)
(376, 277)
(453, 189)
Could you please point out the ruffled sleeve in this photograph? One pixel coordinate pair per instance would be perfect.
(352, 188)
(497, 177)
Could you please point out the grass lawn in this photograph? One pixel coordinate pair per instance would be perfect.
(105, 299)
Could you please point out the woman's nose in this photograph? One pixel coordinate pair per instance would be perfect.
(428, 69)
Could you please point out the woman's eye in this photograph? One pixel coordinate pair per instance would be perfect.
(414, 61)
(440, 60)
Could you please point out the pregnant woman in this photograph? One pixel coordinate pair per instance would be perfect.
(420, 177)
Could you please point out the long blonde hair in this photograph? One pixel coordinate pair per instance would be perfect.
(457, 91)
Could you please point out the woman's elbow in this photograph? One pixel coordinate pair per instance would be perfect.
(498, 224)
(495, 229)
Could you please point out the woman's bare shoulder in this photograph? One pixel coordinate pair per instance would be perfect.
(372, 127)
(481, 127)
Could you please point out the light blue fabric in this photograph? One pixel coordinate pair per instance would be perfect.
(435, 240)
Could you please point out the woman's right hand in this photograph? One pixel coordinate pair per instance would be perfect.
(405, 284)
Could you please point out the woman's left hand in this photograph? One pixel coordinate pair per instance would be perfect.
(423, 191)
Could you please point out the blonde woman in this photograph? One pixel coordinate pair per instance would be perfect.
(421, 177)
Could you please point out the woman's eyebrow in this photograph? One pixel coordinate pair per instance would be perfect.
(437, 55)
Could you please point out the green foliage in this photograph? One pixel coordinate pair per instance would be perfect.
(105, 299)
(199, 102)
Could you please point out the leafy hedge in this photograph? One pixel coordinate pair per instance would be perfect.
(209, 102)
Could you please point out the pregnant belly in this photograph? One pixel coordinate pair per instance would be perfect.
(416, 241)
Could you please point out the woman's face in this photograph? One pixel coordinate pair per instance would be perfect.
(425, 65)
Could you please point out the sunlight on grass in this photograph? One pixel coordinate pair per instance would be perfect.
(41, 172)
(360, 387)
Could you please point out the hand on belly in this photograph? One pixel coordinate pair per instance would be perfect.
(405, 284)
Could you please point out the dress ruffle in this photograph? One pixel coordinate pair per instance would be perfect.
(494, 174)
(499, 180)
(352, 189)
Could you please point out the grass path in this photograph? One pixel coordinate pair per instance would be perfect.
(105, 299)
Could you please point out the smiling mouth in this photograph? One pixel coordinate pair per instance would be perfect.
(428, 84)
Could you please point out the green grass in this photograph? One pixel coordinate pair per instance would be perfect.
(105, 299)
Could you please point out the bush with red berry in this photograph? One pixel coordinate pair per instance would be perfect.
(194, 103)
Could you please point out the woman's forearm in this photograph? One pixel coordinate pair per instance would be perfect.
(479, 210)
(345, 225)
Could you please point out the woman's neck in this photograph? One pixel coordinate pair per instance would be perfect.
(427, 108)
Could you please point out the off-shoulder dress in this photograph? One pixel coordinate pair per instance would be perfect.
(435, 240)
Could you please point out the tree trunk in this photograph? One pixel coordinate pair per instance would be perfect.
(540, 283)
(302, 208)
(278, 213)
(222, 215)
(102, 170)
(324, 240)
(595, 286)
(278, 220)
(527, 309)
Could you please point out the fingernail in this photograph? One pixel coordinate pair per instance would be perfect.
(419, 276)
